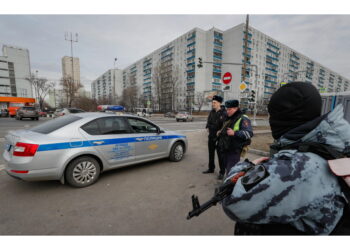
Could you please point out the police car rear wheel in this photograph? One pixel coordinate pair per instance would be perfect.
(82, 172)
(177, 152)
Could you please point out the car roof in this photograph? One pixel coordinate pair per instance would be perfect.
(101, 114)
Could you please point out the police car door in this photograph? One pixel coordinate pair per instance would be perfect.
(149, 144)
(113, 140)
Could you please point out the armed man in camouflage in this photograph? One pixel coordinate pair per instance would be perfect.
(293, 192)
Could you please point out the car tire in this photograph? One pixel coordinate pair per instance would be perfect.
(37, 118)
(177, 152)
(177, 120)
(21, 118)
(82, 172)
(33, 118)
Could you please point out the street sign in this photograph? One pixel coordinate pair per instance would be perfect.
(227, 77)
(226, 88)
(242, 86)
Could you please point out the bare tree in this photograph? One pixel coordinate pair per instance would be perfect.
(85, 103)
(41, 88)
(130, 98)
(174, 83)
(200, 100)
(70, 89)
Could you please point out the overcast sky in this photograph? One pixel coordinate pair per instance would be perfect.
(323, 38)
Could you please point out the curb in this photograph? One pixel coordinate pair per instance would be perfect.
(258, 152)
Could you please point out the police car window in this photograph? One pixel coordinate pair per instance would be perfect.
(113, 125)
(140, 126)
(92, 128)
(55, 124)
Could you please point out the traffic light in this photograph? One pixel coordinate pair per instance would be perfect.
(252, 96)
(200, 63)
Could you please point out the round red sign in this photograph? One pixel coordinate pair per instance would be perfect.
(227, 78)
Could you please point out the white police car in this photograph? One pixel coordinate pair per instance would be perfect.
(76, 148)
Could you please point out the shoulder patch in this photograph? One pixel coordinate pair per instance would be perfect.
(254, 175)
(245, 123)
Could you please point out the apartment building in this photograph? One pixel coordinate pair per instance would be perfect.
(109, 85)
(14, 69)
(268, 63)
(71, 68)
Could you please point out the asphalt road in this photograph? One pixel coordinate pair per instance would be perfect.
(146, 199)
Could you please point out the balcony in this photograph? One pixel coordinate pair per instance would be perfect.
(272, 58)
(190, 44)
(249, 41)
(273, 52)
(272, 64)
(217, 57)
(190, 51)
(218, 44)
(273, 46)
(190, 58)
(191, 37)
(271, 70)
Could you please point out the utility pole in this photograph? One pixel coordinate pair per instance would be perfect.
(245, 48)
(114, 97)
(69, 37)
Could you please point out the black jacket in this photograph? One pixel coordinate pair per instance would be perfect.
(241, 138)
(215, 121)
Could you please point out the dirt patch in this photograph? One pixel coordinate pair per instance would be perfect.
(262, 142)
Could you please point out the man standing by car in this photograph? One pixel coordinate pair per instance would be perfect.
(235, 134)
(215, 121)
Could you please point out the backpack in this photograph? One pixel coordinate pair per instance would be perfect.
(338, 162)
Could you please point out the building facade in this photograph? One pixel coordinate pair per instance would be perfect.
(71, 68)
(108, 86)
(14, 71)
(169, 78)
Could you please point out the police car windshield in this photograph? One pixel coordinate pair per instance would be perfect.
(55, 124)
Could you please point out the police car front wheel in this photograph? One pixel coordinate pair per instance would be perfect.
(177, 152)
(82, 172)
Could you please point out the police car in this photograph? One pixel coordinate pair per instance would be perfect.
(76, 148)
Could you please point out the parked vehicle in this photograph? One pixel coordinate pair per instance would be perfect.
(170, 114)
(66, 111)
(27, 112)
(184, 116)
(4, 113)
(42, 113)
(76, 148)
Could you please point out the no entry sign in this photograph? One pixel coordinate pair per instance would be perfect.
(227, 78)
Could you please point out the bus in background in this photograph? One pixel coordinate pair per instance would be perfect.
(12, 104)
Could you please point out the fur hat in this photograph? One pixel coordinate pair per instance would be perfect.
(217, 98)
(232, 104)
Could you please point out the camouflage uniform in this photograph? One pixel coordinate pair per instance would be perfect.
(300, 190)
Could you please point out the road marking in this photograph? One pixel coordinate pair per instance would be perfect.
(2, 167)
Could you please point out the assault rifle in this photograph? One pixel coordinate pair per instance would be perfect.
(220, 193)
